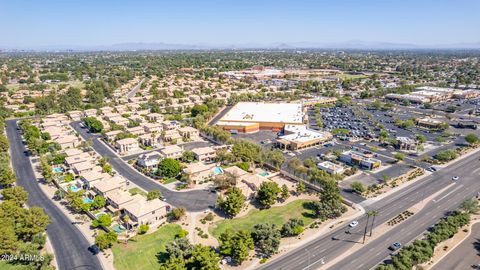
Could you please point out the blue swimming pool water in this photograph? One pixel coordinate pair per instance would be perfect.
(74, 188)
(264, 174)
(118, 228)
(217, 170)
(57, 170)
(87, 200)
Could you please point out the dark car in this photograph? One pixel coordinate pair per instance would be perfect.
(94, 249)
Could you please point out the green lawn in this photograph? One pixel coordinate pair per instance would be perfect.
(345, 76)
(276, 215)
(5, 266)
(137, 190)
(141, 254)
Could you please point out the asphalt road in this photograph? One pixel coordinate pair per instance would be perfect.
(135, 89)
(195, 200)
(465, 255)
(71, 247)
(310, 256)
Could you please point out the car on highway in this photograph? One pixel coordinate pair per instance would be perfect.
(353, 224)
(455, 178)
(395, 246)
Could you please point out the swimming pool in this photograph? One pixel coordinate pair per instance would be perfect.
(74, 189)
(217, 170)
(57, 170)
(264, 174)
(97, 215)
(118, 228)
(87, 200)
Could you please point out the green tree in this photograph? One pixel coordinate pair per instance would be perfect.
(233, 201)
(34, 221)
(179, 248)
(103, 220)
(93, 124)
(105, 240)
(471, 138)
(98, 202)
(357, 187)
(3, 144)
(236, 244)
(399, 156)
(8, 239)
(470, 206)
(267, 194)
(300, 188)
(16, 194)
(173, 263)
(169, 167)
(177, 213)
(266, 238)
(188, 156)
(199, 109)
(154, 194)
(292, 227)
(285, 192)
(420, 138)
(143, 229)
(203, 258)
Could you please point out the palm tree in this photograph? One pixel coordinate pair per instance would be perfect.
(126, 218)
(372, 213)
(366, 226)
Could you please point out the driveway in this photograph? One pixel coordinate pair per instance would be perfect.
(194, 200)
(71, 247)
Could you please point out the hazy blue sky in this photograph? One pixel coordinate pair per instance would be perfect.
(103, 22)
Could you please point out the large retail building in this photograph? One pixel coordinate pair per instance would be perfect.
(251, 117)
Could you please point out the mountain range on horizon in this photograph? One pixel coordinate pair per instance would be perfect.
(142, 46)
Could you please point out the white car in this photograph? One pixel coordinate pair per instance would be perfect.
(455, 178)
(353, 224)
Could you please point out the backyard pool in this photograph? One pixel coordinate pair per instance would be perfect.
(74, 188)
(97, 215)
(264, 174)
(118, 228)
(57, 170)
(217, 170)
(87, 200)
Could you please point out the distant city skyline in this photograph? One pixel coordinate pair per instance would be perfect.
(93, 24)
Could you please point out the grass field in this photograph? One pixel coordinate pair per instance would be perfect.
(5, 266)
(141, 254)
(345, 76)
(276, 215)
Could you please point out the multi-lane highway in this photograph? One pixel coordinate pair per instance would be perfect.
(324, 249)
(70, 246)
(195, 200)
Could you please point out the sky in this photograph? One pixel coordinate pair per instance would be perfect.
(27, 23)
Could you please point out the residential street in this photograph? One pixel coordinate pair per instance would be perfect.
(71, 247)
(310, 255)
(194, 200)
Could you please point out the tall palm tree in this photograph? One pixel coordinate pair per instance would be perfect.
(372, 213)
(366, 227)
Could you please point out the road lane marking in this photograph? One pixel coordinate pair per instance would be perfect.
(454, 190)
